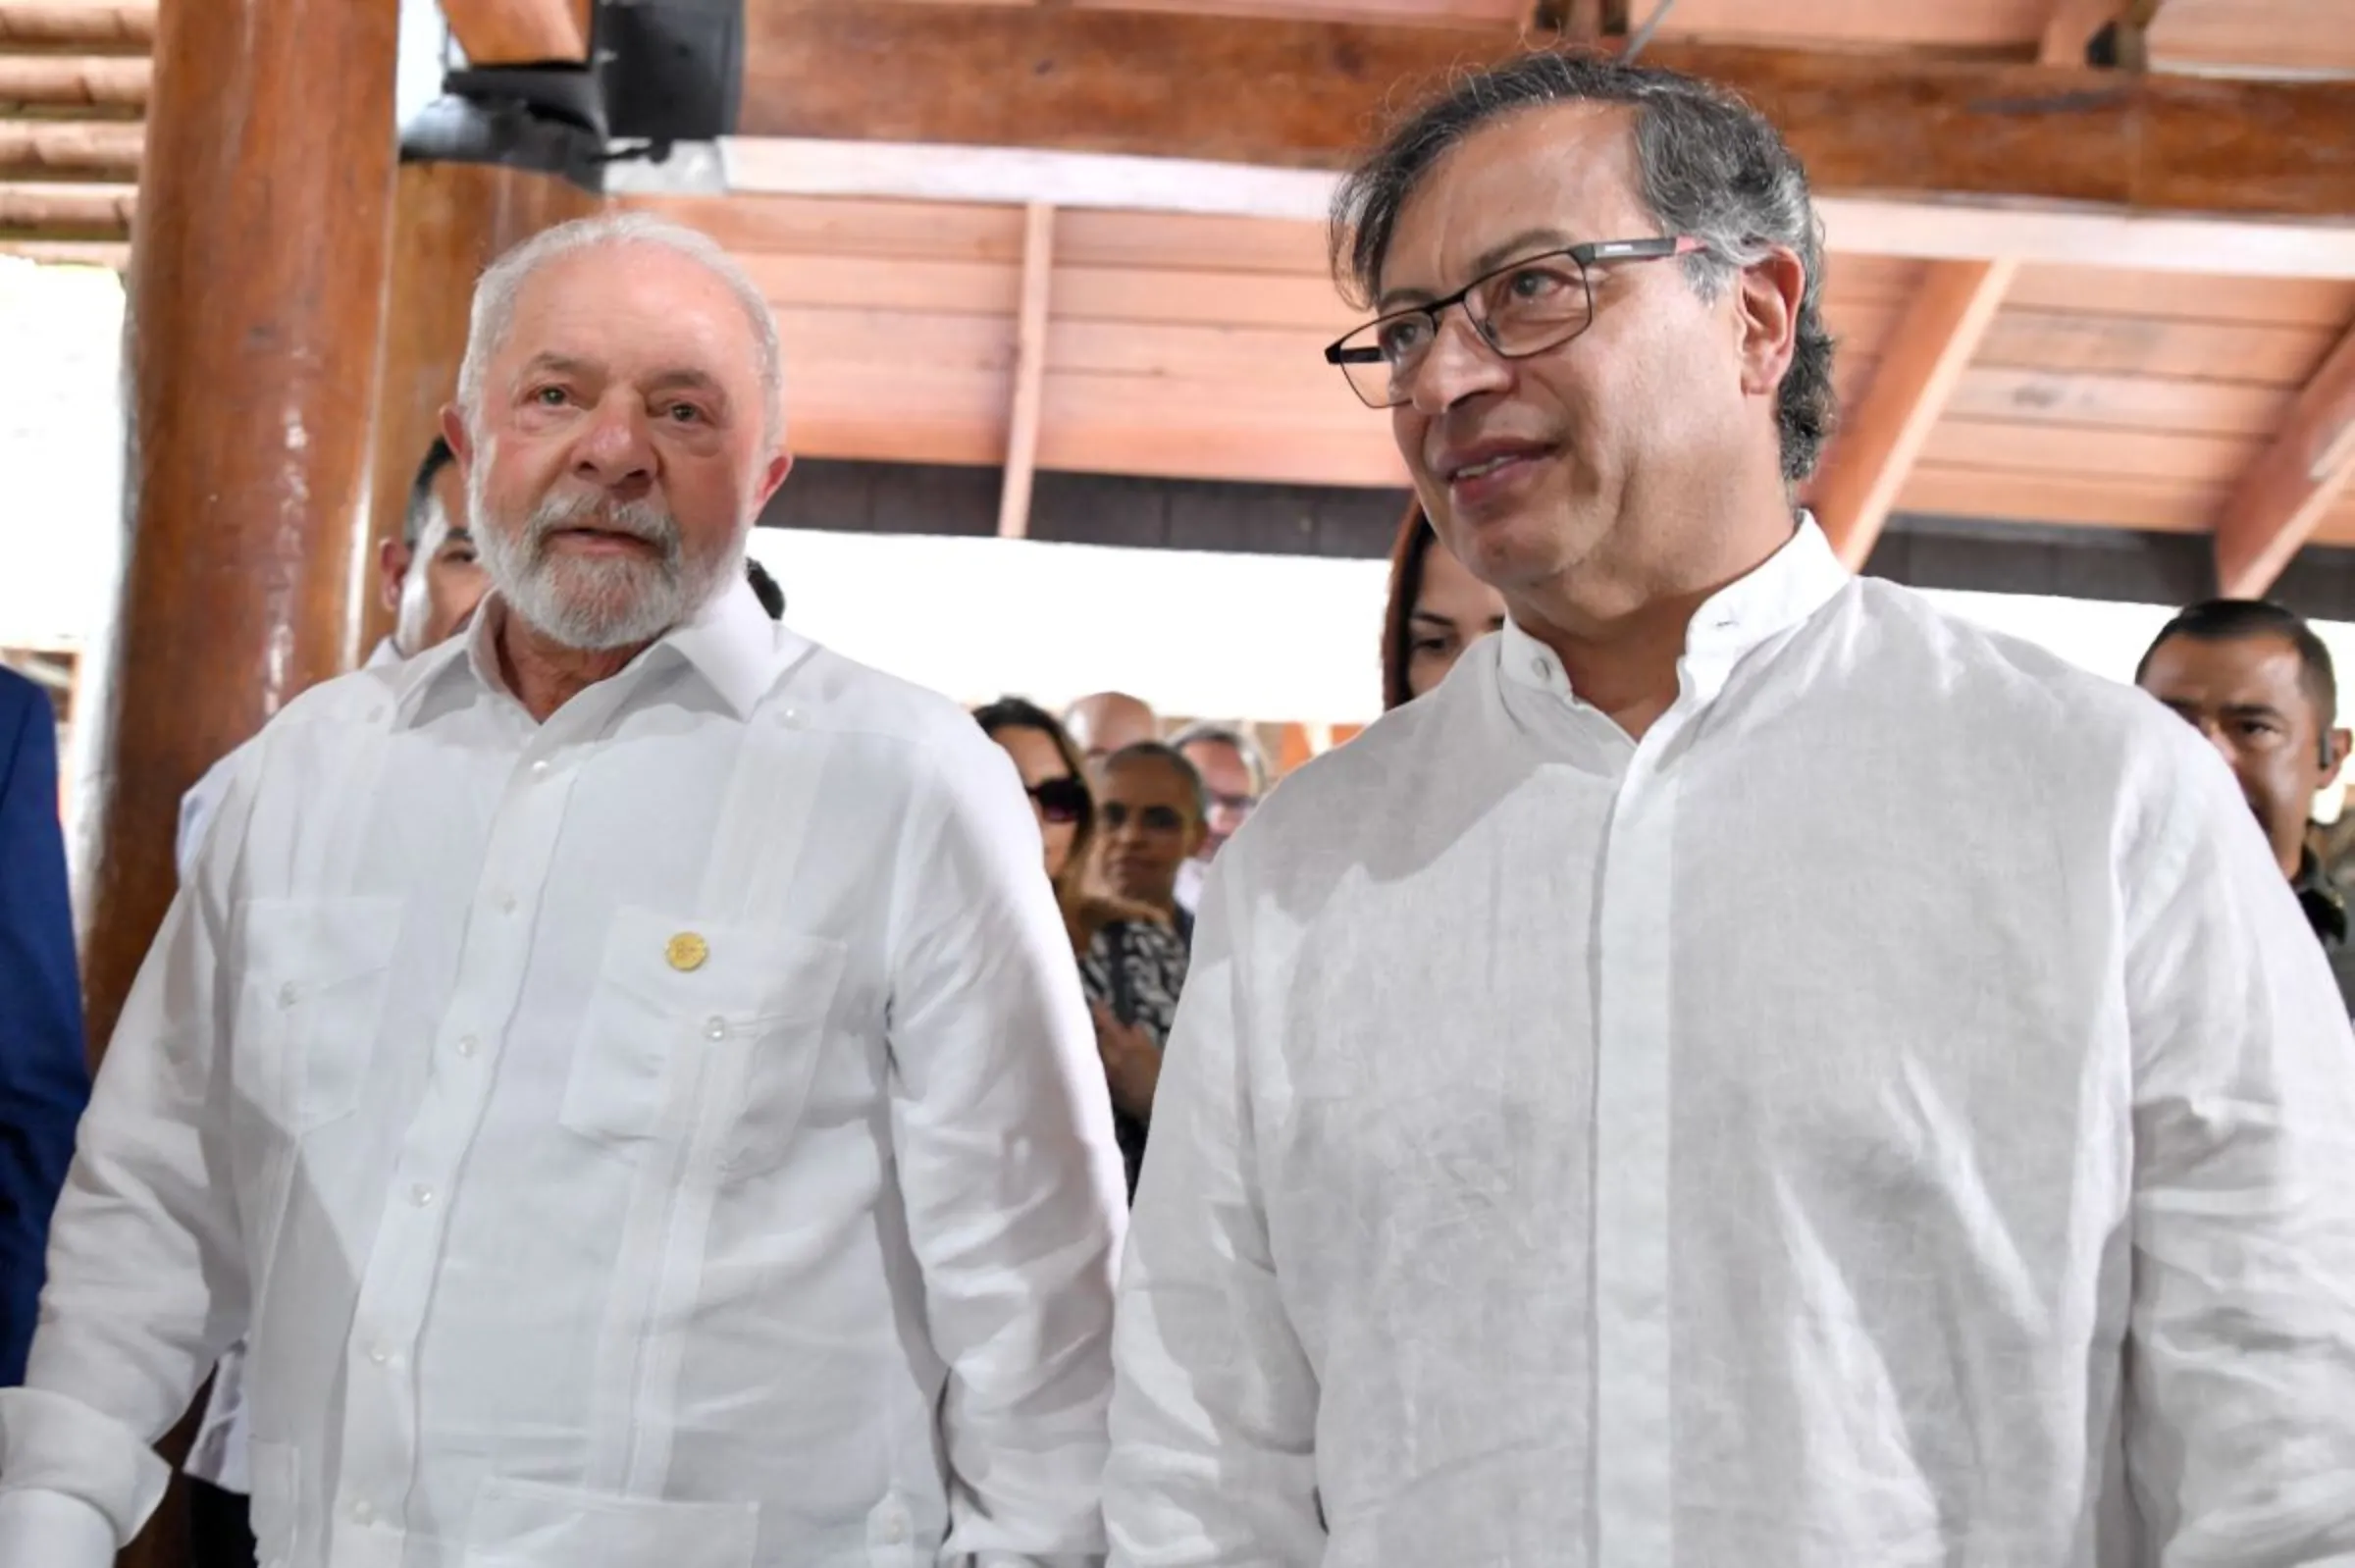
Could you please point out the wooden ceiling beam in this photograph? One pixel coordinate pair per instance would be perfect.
(113, 84)
(50, 149)
(2276, 505)
(78, 24)
(1920, 227)
(1874, 452)
(1031, 321)
(1306, 94)
(519, 32)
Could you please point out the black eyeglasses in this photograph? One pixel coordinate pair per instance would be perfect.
(1522, 309)
(1060, 800)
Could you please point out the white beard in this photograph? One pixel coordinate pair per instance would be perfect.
(593, 604)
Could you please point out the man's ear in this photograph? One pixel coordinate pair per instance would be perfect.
(1768, 295)
(460, 439)
(392, 558)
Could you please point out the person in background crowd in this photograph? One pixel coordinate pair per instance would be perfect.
(2256, 682)
(429, 578)
(1104, 723)
(520, 990)
(1749, 1070)
(44, 1074)
(1154, 809)
(1131, 962)
(1235, 775)
(1437, 609)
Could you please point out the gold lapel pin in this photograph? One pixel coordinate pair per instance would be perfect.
(687, 952)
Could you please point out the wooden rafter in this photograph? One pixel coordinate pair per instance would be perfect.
(516, 32)
(2275, 504)
(2075, 23)
(1923, 228)
(78, 24)
(1879, 442)
(1132, 82)
(1029, 371)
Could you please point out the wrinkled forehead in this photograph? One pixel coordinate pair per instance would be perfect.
(1566, 168)
(633, 309)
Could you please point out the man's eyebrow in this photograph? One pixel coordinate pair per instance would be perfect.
(1528, 241)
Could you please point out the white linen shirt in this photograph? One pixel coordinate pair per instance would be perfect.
(1893, 1114)
(666, 1135)
(218, 1453)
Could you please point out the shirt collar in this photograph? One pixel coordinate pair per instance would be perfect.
(730, 643)
(1791, 585)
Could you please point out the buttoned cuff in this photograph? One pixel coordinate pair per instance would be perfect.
(52, 1444)
(55, 1531)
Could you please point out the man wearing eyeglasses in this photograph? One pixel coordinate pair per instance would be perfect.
(1747, 1069)
(1235, 775)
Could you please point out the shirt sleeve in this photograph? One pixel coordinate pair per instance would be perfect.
(44, 1074)
(146, 1275)
(1013, 1184)
(1215, 1403)
(2241, 1428)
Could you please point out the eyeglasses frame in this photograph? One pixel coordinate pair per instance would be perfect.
(1659, 248)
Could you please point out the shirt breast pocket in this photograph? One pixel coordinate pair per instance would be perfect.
(310, 1005)
(750, 1006)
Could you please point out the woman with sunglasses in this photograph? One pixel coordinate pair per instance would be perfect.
(1131, 960)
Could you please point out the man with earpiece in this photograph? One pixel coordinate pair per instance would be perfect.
(2255, 680)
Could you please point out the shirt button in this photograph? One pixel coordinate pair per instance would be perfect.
(421, 1195)
(288, 994)
(363, 1512)
(1541, 669)
(715, 1028)
(894, 1530)
(789, 717)
(538, 770)
(467, 1044)
(379, 1356)
(506, 903)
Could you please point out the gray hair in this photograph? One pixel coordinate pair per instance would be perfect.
(1709, 166)
(495, 294)
(1255, 762)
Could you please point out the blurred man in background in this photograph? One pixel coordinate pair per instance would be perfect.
(2257, 683)
(1107, 722)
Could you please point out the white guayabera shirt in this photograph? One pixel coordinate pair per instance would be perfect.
(668, 1135)
(1893, 1115)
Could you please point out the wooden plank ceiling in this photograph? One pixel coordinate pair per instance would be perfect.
(1187, 346)
(2115, 390)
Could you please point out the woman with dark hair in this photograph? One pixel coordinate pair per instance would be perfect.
(1131, 960)
(1437, 610)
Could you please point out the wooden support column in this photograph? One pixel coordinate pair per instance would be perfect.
(450, 222)
(1029, 371)
(2277, 503)
(1877, 444)
(254, 301)
(254, 298)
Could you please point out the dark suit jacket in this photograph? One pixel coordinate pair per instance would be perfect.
(44, 1076)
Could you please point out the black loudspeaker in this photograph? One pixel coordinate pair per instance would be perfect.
(671, 70)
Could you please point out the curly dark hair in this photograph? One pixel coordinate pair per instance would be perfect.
(1711, 166)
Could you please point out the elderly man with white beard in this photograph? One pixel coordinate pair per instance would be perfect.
(676, 1141)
